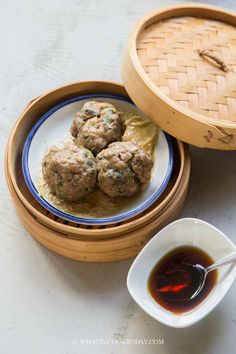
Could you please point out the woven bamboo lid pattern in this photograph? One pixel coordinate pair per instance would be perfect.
(193, 61)
(182, 61)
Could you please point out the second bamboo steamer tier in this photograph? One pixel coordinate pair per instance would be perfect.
(180, 70)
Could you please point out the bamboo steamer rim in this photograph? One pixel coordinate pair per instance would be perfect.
(9, 168)
(132, 66)
(92, 252)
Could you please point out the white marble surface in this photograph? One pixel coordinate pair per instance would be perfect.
(47, 303)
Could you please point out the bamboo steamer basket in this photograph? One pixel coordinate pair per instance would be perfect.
(81, 242)
(13, 159)
(111, 249)
(180, 69)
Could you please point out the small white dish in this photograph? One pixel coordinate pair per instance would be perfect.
(53, 126)
(187, 231)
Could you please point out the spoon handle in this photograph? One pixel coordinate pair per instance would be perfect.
(230, 258)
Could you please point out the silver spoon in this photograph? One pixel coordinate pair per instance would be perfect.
(230, 258)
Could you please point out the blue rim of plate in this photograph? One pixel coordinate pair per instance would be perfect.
(76, 219)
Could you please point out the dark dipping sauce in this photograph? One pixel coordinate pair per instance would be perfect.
(172, 287)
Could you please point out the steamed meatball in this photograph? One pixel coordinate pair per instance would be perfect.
(123, 169)
(97, 125)
(70, 171)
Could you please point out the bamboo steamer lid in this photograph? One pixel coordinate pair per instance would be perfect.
(180, 69)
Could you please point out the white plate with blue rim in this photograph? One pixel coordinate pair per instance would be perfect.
(53, 126)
